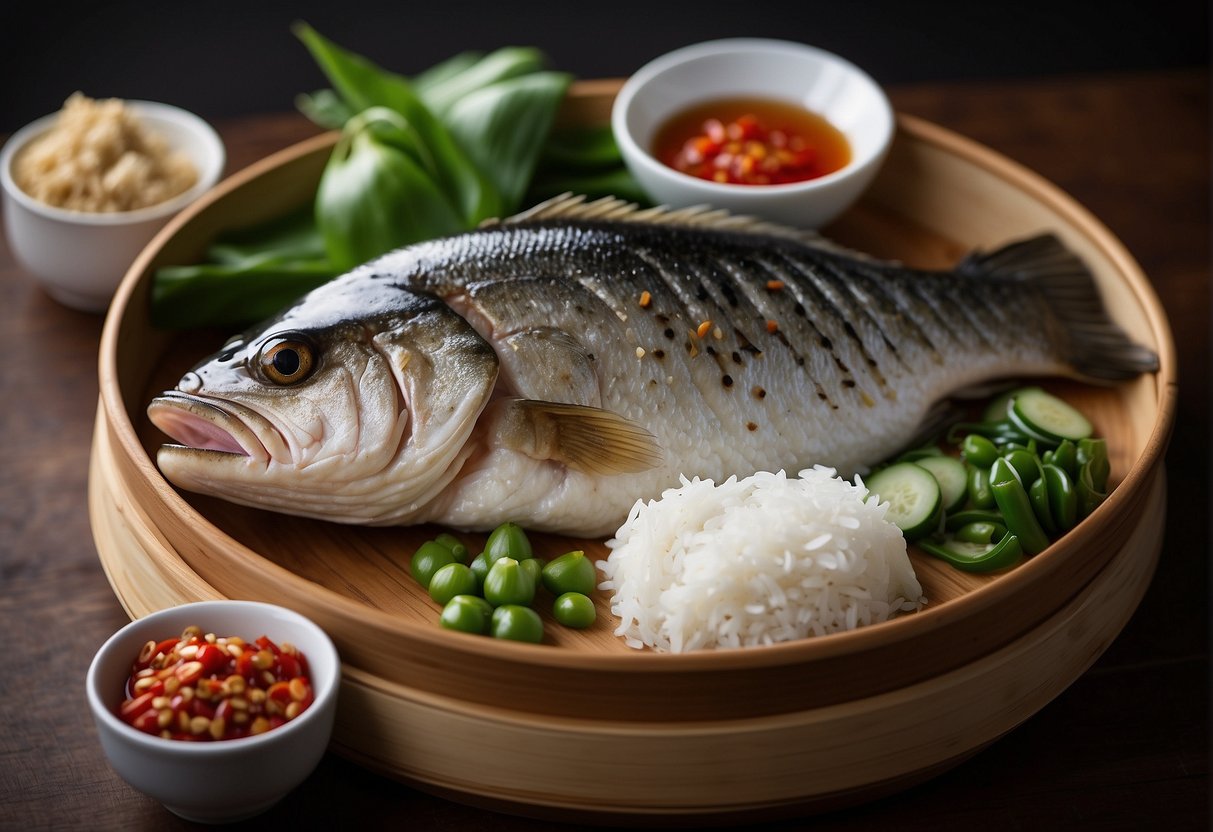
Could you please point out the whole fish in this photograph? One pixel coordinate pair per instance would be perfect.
(554, 368)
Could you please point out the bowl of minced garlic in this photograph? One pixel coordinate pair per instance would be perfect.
(85, 189)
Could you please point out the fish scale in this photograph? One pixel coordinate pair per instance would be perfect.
(554, 368)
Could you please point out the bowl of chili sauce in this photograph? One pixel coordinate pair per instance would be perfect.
(218, 709)
(779, 130)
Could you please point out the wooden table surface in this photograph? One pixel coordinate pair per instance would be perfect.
(1125, 747)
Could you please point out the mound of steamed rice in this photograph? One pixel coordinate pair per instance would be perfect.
(756, 561)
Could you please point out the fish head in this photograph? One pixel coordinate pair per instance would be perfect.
(355, 405)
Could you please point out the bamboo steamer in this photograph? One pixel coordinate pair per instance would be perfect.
(809, 724)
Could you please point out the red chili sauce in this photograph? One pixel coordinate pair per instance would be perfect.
(202, 687)
(751, 141)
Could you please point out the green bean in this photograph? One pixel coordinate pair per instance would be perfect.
(976, 558)
(1065, 457)
(1038, 494)
(980, 532)
(980, 495)
(1026, 465)
(971, 515)
(1063, 499)
(1016, 508)
(978, 450)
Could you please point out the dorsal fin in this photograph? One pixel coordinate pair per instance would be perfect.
(570, 206)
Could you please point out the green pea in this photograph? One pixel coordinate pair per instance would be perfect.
(451, 542)
(533, 567)
(480, 569)
(428, 559)
(468, 614)
(507, 583)
(507, 541)
(572, 609)
(571, 572)
(451, 580)
(517, 623)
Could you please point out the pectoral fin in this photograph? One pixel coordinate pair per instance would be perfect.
(586, 439)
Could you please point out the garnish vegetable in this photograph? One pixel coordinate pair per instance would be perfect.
(468, 139)
(1027, 474)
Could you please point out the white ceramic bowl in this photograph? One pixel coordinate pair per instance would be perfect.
(227, 780)
(80, 257)
(753, 67)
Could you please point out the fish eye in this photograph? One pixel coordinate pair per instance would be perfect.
(287, 359)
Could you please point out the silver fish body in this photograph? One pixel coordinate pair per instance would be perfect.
(553, 369)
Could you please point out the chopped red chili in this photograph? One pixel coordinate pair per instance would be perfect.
(203, 687)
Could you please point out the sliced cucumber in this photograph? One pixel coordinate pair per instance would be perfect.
(952, 477)
(1000, 407)
(1044, 414)
(914, 498)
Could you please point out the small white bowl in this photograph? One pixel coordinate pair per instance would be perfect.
(754, 67)
(225, 780)
(80, 257)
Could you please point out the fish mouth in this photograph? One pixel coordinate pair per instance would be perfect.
(208, 426)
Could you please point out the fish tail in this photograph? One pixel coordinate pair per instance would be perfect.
(1084, 334)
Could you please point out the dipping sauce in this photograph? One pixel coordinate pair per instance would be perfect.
(750, 141)
(203, 687)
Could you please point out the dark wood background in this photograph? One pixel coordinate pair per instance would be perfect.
(1126, 747)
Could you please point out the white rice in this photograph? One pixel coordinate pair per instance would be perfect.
(757, 561)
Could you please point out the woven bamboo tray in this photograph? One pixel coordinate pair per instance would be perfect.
(793, 726)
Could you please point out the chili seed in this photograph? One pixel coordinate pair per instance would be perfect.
(260, 725)
(217, 728)
(298, 689)
(165, 718)
(293, 710)
(199, 724)
(256, 696)
(191, 630)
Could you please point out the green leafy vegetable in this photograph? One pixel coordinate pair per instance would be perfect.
(363, 85)
(502, 127)
(468, 139)
(248, 276)
(378, 191)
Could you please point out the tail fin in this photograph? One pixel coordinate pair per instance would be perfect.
(1089, 339)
